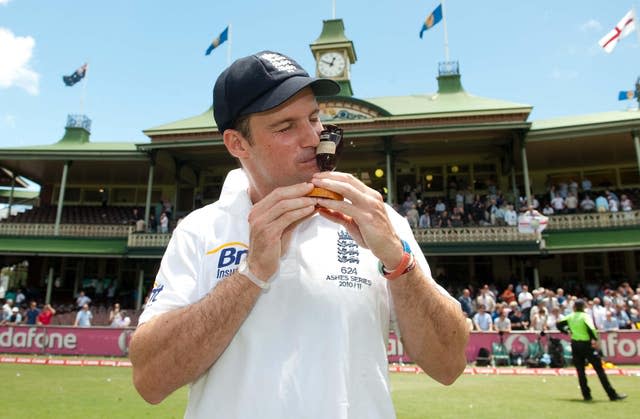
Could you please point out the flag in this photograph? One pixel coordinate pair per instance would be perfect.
(432, 19)
(218, 41)
(76, 76)
(622, 29)
(627, 95)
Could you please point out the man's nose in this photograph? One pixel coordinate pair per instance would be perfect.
(311, 134)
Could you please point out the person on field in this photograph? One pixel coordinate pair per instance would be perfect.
(584, 347)
(275, 304)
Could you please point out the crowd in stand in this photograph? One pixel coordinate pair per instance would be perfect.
(518, 308)
(464, 207)
(80, 314)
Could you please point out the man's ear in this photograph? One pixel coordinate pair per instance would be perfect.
(236, 144)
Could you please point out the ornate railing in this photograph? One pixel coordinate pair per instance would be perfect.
(148, 240)
(594, 220)
(66, 230)
(472, 235)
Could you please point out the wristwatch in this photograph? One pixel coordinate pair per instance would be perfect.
(243, 269)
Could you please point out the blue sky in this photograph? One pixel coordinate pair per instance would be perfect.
(147, 65)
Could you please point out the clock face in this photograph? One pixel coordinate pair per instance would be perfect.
(331, 64)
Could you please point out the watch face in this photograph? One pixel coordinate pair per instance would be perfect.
(331, 64)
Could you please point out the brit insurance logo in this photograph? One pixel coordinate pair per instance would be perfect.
(229, 256)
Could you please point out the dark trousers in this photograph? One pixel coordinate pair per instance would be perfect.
(582, 352)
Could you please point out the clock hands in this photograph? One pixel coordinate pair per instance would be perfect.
(330, 63)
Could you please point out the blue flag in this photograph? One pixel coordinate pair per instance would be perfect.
(76, 76)
(627, 95)
(218, 41)
(432, 19)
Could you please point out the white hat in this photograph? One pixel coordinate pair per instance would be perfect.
(15, 309)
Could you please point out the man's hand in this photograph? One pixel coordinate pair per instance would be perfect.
(271, 222)
(362, 214)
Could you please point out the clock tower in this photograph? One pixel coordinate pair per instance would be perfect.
(334, 54)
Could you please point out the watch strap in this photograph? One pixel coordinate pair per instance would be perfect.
(244, 270)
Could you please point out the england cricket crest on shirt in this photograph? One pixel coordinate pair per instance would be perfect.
(347, 248)
(348, 257)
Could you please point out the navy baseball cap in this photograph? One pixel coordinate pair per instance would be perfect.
(261, 82)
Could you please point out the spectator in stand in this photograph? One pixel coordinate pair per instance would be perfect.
(613, 204)
(525, 300)
(47, 313)
(164, 223)
(20, 298)
(486, 299)
(502, 322)
(602, 204)
(32, 313)
(7, 309)
(115, 316)
(587, 204)
(539, 318)
(563, 189)
(571, 203)
(440, 207)
(413, 216)
(111, 292)
(558, 204)
(82, 300)
(553, 318)
(622, 317)
(83, 317)
(167, 207)
(444, 220)
(510, 216)
(625, 203)
(610, 322)
(548, 209)
(586, 185)
(456, 218)
(15, 317)
(560, 296)
(573, 187)
(508, 296)
(153, 224)
(466, 302)
(425, 220)
(482, 320)
(517, 319)
(550, 301)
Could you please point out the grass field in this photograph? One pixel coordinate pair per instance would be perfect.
(35, 391)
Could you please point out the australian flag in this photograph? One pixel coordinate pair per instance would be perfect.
(76, 76)
(218, 41)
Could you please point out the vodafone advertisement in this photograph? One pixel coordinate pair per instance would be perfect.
(622, 347)
(64, 340)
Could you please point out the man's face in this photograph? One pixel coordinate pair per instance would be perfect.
(283, 144)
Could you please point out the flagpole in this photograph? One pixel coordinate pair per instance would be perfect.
(229, 47)
(446, 36)
(84, 87)
(333, 9)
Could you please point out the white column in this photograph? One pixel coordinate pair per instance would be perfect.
(147, 205)
(47, 299)
(140, 286)
(525, 172)
(63, 185)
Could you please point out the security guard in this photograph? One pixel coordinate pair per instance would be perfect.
(584, 346)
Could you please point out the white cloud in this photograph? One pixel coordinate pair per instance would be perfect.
(15, 69)
(591, 25)
(4, 2)
(10, 121)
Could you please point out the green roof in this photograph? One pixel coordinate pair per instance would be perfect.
(445, 104)
(199, 123)
(63, 246)
(588, 119)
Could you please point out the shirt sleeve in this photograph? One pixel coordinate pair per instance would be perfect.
(176, 283)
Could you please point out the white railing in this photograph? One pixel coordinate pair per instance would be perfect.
(148, 240)
(66, 230)
(594, 220)
(472, 235)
